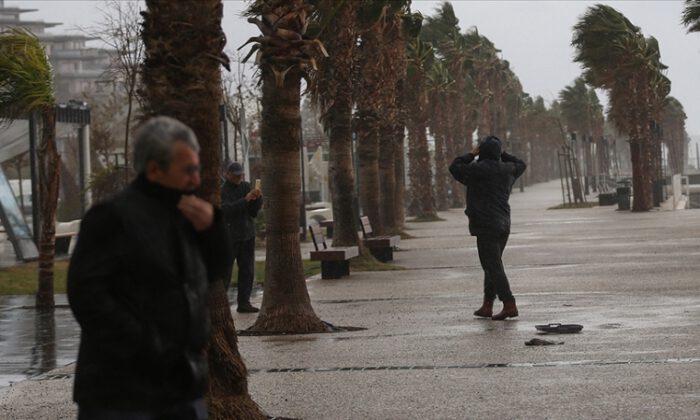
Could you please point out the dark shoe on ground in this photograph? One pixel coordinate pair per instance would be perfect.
(509, 311)
(486, 309)
(247, 309)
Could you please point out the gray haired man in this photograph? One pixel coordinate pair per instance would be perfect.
(138, 282)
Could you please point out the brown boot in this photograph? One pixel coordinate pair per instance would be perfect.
(486, 309)
(509, 311)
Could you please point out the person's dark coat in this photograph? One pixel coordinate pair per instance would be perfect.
(137, 285)
(489, 181)
(239, 213)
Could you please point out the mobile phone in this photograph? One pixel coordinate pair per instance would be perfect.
(257, 184)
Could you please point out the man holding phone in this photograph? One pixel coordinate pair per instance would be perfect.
(240, 205)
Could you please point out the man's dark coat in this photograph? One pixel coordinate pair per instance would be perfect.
(489, 181)
(137, 284)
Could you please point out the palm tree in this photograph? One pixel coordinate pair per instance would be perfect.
(617, 57)
(369, 108)
(181, 74)
(691, 15)
(422, 200)
(284, 56)
(583, 114)
(674, 135)
(333, 92)
(393, 74)
(439, 85)
(26, 88)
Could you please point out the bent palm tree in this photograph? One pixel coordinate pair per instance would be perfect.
(691, 15)
(617, 57)
(182, 78)
(26, 87)
(284, 56)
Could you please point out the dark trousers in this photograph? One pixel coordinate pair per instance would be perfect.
(192, 410)
(244, 256)
(490, 249)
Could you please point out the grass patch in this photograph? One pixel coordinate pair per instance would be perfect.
(567, 206)
(22, 279)
(423, 219)
(369, 263)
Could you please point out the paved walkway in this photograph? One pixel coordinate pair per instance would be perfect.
(631, 279)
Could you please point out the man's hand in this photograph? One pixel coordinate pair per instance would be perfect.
(253, 195)
(197, 211)
(475, 151)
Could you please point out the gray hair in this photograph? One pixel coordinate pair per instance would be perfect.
(154, 140)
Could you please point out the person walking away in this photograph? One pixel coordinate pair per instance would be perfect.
(138, 286)
(240, 205)
(489, 181)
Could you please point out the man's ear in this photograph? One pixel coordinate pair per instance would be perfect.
(153, 170)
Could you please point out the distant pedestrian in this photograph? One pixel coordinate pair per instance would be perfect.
(138, 286)
(489, 181)
(240, 204)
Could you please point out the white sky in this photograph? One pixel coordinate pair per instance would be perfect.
(534, 36)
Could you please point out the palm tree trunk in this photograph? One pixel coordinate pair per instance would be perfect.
(338, 69)
(182, 79)
(441, 178)
(286, 306)
(387, 174)
(49, 174)
(367, 123)
(399, 177)
(420, 173)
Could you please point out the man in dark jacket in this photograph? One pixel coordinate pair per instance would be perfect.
(240, 204)
(138, 283)
(489, 181)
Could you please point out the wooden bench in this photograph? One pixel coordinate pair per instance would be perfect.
(328, 224)
(66, 235)
(335, 262)
(381, 247)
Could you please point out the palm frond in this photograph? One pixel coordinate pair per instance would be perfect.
(691, 15)
(25, 74)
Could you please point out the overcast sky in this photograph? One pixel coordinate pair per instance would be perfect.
(534, 36)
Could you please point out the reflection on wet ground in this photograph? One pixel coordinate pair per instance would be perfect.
(32, 341)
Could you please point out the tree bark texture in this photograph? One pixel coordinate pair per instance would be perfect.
(49, 174)
(367, 123)
(336, 91)
(286, 305)
(422, 200)
(181, 78)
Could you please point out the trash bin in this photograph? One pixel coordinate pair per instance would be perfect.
(623, 198)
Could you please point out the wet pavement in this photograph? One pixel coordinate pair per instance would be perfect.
(630, 279)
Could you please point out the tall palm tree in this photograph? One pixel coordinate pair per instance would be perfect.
(674, 135)
(284, 56)
(369, 107)
(422, 199)
(26, 88)
(439, 85)
(583, 114)
(691, 15)
(181, 78)
(333, 92)
(617, 57)
(393, 73)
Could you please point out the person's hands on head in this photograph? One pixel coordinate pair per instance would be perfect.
(199, 212)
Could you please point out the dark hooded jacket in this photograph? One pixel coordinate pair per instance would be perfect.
(489, 181)
(137, 285)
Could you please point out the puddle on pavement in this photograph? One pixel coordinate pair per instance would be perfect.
(33, 342)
